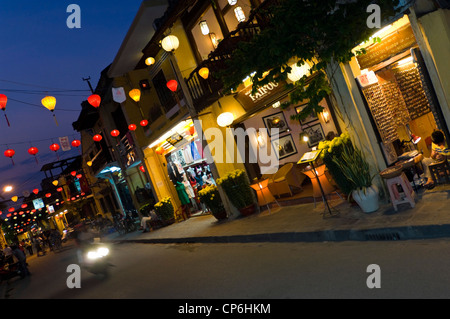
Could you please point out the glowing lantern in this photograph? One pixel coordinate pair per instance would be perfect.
(297, 72)
(191, 129)
(49, 102)
(204, 27)
(73, 173)
(48, 195)
(144, 123)
(97, 138)
(55, 147)
(115, 133)
(172, 85)
(33, 151)
(10, 153)
(3, 101)
(94, 100)
(55, 182)
(24, 206)
(132, 127)
(142, 168)
(150, 61)
(239, 13)
(135, 94)
(204, 73)
(170, 43)
(36, 191)
(89, 163)
(79, 176)
(159, 150)
(225, 119)
(59, 189)
(14, 198)
(76, 143)
(11, 209)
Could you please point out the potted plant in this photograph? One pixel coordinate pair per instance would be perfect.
(237, 187)
(355, 168)
(165, 211)
(211, 198)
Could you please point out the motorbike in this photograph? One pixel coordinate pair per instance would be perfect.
(9, 271)
(96, 258)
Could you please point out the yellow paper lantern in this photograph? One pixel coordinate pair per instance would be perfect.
(89, 163)
(150, 61)
(14, 198)
(204, 73)
(55, 182)
(49, 102)
(135, 94)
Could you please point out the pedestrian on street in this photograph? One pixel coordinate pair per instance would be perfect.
(29, 247)
(22, 261)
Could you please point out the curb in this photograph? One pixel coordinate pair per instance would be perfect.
(376, 234)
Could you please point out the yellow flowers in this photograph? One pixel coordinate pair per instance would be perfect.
(164, 208)
(211, 198)
(333, 145)
(230, 176)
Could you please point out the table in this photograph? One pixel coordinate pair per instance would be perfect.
(263, 193)
(316, 176)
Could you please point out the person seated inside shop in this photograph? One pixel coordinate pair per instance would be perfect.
(439, 153)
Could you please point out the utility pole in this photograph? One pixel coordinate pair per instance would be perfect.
(89, 83)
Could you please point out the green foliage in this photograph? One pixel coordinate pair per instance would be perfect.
(211, 198)
(308, 30)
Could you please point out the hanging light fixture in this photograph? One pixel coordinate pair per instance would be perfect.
(49, 102)
(204, 72)
(132, 127)
(55, 182)
(239, 13)
(10, 153)
(170, 43)
(115, 133)
(232, 2)
(135, 94)
(172, 85)
(225, 119)
(33, 151)
(143, 123)
(55, 147)
(76, 143)
(94, 100)
(150, 61)
(3, 101)
(297, 72)
(204, 27)
(97, 138)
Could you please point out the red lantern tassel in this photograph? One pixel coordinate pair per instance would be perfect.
(7, 121)
(36, 160)
(12, 160)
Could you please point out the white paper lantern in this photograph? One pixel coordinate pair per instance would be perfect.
(298, 72)
(225, 119)
(170, 43)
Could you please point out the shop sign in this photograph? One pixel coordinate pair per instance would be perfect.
(367, 79)
(174, 139)
(391, 45)
(262, 96)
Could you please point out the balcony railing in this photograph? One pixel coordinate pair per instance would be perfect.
(206, 91)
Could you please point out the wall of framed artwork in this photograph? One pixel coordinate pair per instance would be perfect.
(315, 134)
(311, 118)
(284, 146)
(276, 121)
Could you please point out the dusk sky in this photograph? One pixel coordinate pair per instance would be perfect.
(39, 56)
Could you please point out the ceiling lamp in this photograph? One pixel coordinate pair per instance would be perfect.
(297, 72)
(170, 43)
(97, 138)
(204, 27)
(3, 101)
(225, 119)
(94, 100)
(204, 72)
(239, 13)
(49, 102)
(232, 2)
(10, 153)
(135, 94)
(172, 85)
(150, 61)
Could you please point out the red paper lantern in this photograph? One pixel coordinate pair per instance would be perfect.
(48, 195)
(115, 133)
(76, 143)
(59, 189)
(144, 123)
(73, 173)
(191, 130)
(132, 127)
(36, 191)
(3, 101)
(94, 100)
(97, 138)
(79, 176)
(10, 153)
(24, 206)
(54, 147)
(11, 209)
(33, 150)
(142, 168)
(172, 85)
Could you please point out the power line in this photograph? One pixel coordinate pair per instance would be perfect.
(41, 106)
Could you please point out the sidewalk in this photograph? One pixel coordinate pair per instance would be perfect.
(430, 218)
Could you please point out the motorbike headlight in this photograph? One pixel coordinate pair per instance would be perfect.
(103, 251)
(98, 253)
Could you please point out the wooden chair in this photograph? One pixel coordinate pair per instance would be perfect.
(286, 179)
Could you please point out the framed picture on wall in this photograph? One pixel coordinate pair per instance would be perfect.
(284, 146)
(276, 121)
(311, 118)
(315, 134)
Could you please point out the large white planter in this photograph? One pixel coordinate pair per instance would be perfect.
(367, 199)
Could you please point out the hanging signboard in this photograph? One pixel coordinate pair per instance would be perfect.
(65, 144)
(263, 95)
(393, 44)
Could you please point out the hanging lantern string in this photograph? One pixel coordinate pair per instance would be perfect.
(38, 141)
(40, 106)
(7, 121)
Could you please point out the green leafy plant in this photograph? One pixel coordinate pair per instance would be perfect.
(237, 187)
(211, 198)
(164, 209)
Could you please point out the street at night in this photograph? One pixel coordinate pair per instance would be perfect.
(234, 150)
